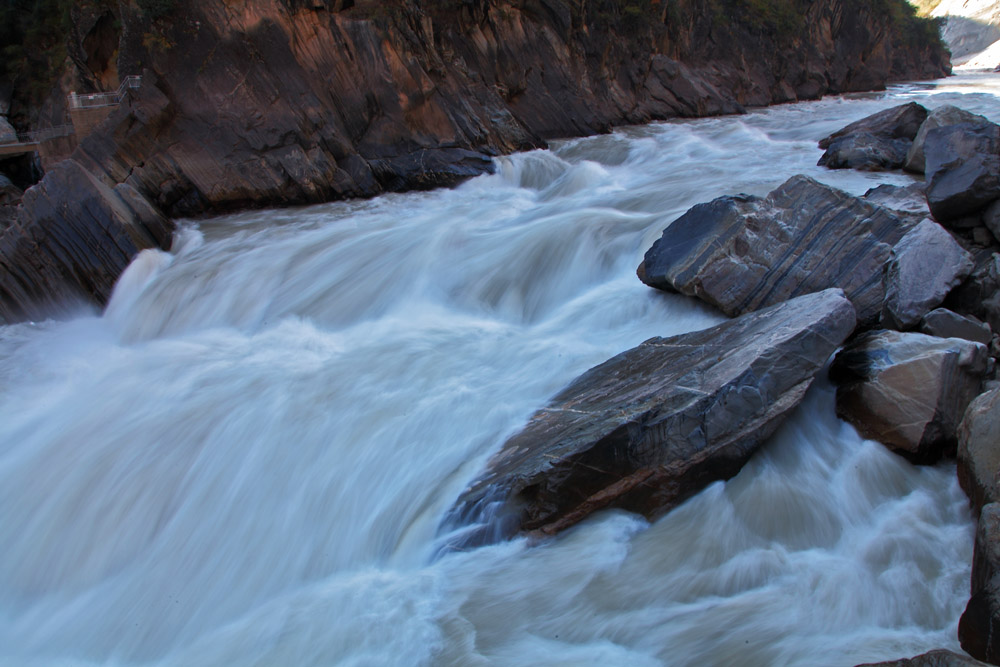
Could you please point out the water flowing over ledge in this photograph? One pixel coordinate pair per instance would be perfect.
(245, 460)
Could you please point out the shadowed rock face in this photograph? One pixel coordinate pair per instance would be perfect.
(940, 117)
(979, 627)
(938, 658)
(962, 165)
(900, 122)
(979, 450)
(649, 428)
(743, 253)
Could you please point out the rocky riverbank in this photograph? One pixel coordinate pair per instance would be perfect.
(907, 276)
(278, 102)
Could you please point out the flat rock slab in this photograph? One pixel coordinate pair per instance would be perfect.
(741, 253)
(925, 266)
(652, 426)
(962, 169)
(908, 390)
(899, 122)
(944, 323)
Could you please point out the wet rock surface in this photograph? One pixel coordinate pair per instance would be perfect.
(899, 122)
(944, 323)
(979, 450)
(938, 658)
(865, 151)
(979, 627)
(653, 425)
(743, 253)
(909, 391)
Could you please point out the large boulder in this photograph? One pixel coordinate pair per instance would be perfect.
(940, 117)
(865, 151)
(654, 425)
(903, 198)
(926, 264)
(962, 169)
(979, 449)
(979, 295)
(899, 122)
(908, 390)
(741, 253)
(979, 627)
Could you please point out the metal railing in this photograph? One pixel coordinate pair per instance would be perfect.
(37, 136)
(105, 99)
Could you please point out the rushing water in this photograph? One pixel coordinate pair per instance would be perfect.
(246, 459)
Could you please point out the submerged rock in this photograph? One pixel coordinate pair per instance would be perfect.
(899, 122)
(940, 117)
(925, 265)
(741, 253)
(652, 426)
(963, 169)
(908, 390)
(979, 627)
(936, 658)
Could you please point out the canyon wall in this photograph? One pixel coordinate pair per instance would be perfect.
(279, 102)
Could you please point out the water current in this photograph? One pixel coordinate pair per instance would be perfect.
(246, 458)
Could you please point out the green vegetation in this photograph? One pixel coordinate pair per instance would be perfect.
(911, 28)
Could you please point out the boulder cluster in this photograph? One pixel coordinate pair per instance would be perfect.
(904, 281)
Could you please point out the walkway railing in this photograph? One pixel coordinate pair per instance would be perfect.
(38, 136)
(105, 99)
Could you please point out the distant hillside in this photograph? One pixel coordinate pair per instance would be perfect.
(971, 29)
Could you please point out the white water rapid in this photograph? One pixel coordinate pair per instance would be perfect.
(245, 460)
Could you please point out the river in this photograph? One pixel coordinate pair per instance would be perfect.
(245, 460)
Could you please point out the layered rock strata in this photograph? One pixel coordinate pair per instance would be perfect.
(652, 426)
(741, 253)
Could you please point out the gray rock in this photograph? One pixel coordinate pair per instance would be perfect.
(944, 323)
(743, 253)
(963, 169)
(900, 122)
(10, 194)
(865, 151)
(979, 449)
(908, 390)
(979, 295)
(940, 117)
(936, 658)
(925, 265)
(908, 199)
(8, 134)
(652, 426)
(979, 627)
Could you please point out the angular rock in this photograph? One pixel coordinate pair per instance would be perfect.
(899, 122)
(865, 151)
(940, 117)
(979, 295)
(925, 265)
(979, 450)
(742, 253)
(652, 426)
(979, 627)
(943, 323)
(991, 218)
(10, 194)
(73, 238)
(908, 199)
(936, 658)
(908, 390)
(962, 169)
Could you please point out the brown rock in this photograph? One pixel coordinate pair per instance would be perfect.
(899, 122)
(979, 450)
(908, 390)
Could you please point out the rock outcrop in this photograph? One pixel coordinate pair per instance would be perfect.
(277, 102)
(742, 253)
(652, 426)
(908, 390)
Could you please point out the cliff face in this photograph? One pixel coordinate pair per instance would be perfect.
(272, 102)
